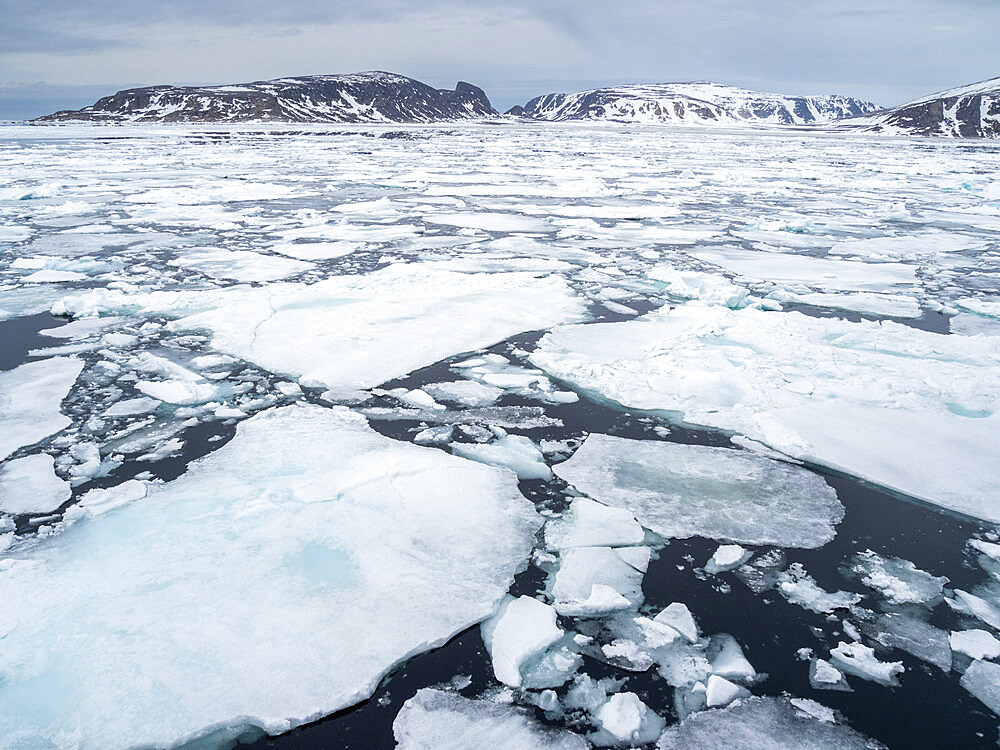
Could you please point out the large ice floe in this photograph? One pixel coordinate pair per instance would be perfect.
(30, 396)
(351, 332)
(679, 491)
(446, 721)
(913, 411)
(308, 553)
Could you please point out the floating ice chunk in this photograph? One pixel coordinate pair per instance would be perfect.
(899, 581)
(81, 329)
(49, 276)
(240, 265)
(858, 659)
(316, 250)
(628, 721)
(446, 721)
(728, 660)
(813, 709)
(30, 396)
(30, 485)
(976, 606)
(982, 679)
(96, 502)
(581, 569)
(353, 332)
(989, 549)
(967, 324)
(822, 273)
(590, 524)
(824, 676)
(490, 222)
(132, 406)
(465, 392)
(521, 629)
(416, 397)
(283, 552)
(179, 392)
(679, 617)
(979, 644)
(928, 405)
(882, 305)
(800, 588)
(727, 557)
(762, 724)
(721, 692)
(914, 636)
(553, 667)
(516, 452)
(682, 490)
(709, 288)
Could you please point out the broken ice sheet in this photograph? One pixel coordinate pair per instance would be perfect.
(351, 332)
(910, 410)
(679, 491)
(446, 721)
(30, 396)
(762, 724)
(252, 570)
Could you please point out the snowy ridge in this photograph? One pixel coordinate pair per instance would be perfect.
(357, 97)
(693, 104)
(971, 111)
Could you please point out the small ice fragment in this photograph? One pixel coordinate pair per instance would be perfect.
(590, 524)
(30, 485)
(979, 644)
(858, 659)
(580, 586)
(679, 617)
(982, 679)
(978, 607)
(798, 587)
(727, 557)
(824, 676)
(627, 720)
(446, 721)
(814, 709)
(515, 452)
(721, 692)
(520, 629)
(899, 581)
(729, 660)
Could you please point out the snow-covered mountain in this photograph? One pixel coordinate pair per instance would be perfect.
(357, 97)
(692, 104)
(971, 111)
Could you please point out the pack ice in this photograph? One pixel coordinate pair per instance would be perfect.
(679, 491)
(274, 583)
(913, 411)
(351, 332)
(30, 396)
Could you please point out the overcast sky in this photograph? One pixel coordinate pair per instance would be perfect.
(57, 54)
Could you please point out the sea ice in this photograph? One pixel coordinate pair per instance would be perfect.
(762, 724)
(30, 396)
(516, 452)
(914, 411)
(679, 491)
(592, 581)
(858, 659)
(521, 629)
(979, 644)
(982, 679)
(727, 557)
(821, 273)
(625, 720)
(899, 581)
(30, 485)
(798, 587)
(352, 332)
(250, 571)
(446, 721)
(589, 524)
(240, 265)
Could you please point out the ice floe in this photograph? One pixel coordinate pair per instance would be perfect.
(907, 409)
(30, 397)
(679, 490)
(253, 569)
(30, 485)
